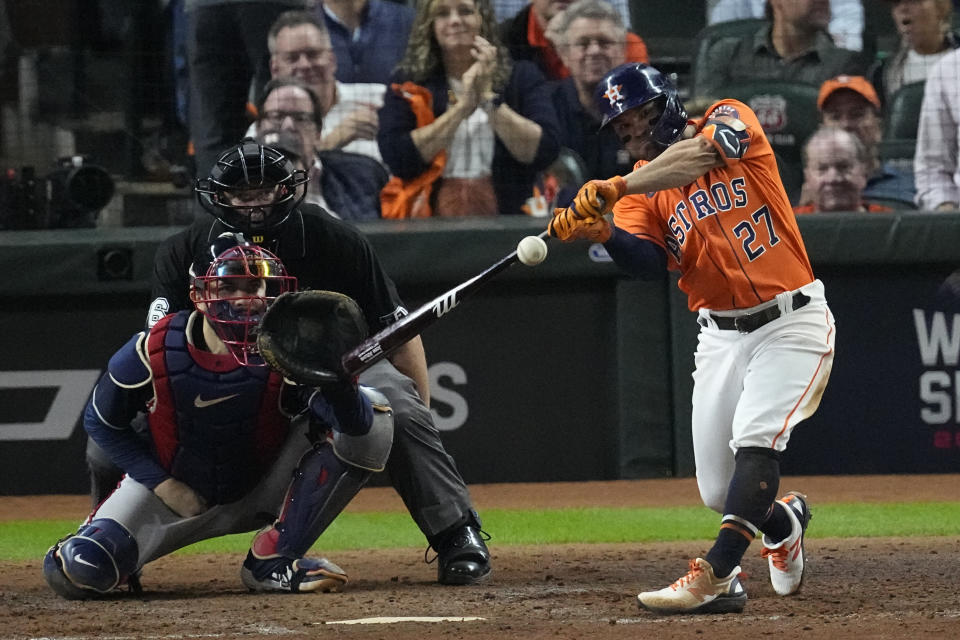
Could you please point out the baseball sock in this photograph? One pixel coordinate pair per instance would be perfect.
(731, 543)
(778, 525)
(753, 488)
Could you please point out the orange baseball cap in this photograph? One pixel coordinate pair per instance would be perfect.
(858, 84)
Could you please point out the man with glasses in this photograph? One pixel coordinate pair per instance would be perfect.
(592, 41)
(532, 35)
(346, 184)
(300, 47)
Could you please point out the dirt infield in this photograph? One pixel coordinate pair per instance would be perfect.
(856, 588)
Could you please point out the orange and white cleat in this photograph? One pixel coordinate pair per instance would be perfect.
(699, 591)
(787, 558)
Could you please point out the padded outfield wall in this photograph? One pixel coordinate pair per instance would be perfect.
(565, 371)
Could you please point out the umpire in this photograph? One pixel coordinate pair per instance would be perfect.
(255, 190)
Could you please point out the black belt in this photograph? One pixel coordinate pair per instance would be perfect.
(753, 321)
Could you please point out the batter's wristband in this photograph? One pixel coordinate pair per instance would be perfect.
(621, 184)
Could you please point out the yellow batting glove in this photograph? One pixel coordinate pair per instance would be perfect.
(597, 197)
(566, 227)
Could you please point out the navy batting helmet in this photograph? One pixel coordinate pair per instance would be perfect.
(252, 166)
(634, 84)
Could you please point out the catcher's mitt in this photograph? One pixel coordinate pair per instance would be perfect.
(304, 334)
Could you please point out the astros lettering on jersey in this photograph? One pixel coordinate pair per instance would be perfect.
(723, 230)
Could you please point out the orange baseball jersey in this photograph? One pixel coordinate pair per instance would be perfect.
(732, 233)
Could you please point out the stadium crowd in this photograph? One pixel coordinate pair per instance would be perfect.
(486, 107)
(480, 107)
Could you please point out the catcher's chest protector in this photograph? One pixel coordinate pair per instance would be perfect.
(216, 428)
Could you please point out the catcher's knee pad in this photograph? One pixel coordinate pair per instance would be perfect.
(321, 488)
(753, 488)
(370, 450)
(100, 556)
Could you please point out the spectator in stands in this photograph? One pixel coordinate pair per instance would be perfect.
(846, 18)
(529, 36)
(467, 113)
(300, 47)
(293, 147)
(346, 184)
(925, 37)
(227, 49)
(792, 46)
(935, 165)
(506, 9)
(369, 37)
(835, 173)
(850, 103)
(592, 41)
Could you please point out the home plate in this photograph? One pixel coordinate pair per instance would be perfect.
(391, 620)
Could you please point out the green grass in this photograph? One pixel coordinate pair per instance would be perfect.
(26, 539)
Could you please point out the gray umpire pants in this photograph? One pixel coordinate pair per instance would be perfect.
(419, 468)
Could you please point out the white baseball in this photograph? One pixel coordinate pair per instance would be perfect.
(532, 251)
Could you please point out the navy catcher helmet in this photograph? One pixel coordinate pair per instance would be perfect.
(634, 84)
(250, 166)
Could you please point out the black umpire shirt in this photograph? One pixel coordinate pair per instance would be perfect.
(319, 250)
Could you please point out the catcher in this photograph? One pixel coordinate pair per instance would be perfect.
(227, 434)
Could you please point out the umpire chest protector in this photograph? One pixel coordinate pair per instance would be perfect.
(216, 425)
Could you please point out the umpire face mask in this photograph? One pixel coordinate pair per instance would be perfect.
(252, 189)
(255, 205)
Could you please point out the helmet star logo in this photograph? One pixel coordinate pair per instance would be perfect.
(613, 94)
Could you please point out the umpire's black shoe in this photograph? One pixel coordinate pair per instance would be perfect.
(462, 555)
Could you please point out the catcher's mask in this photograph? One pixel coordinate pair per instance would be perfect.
(252, 188)
(634, 84)
(233, 294)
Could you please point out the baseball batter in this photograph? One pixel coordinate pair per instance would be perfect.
(705, 198)
(232, 445)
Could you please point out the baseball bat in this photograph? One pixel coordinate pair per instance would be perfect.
(387, 340)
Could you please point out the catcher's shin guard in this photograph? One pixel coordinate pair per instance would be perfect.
(321, 488)
(95, 560)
